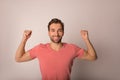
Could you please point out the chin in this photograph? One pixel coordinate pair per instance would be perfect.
(56, 41)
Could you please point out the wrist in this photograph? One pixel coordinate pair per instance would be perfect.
(86, 40)
(24, 40)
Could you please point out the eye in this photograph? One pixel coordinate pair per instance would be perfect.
(52, 30)
(60, 30)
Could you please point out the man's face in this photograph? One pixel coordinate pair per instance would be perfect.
(56, 32)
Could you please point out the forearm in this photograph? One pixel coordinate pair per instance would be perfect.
(21, 50)
(90, 48)
(90, 54)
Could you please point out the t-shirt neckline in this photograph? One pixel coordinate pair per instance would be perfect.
(48, 45)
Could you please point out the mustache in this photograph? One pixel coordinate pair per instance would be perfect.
(56, 36)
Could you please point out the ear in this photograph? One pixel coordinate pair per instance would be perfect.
(63, 33)
(48, 32)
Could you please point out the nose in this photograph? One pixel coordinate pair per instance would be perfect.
(56, 33)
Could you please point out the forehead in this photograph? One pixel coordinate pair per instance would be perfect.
(55, 26)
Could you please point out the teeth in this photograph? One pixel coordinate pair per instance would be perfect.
(56, 38)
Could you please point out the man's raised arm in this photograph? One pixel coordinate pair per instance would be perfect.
(90, 53)
(21, 54)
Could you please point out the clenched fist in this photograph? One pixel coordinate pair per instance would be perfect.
(84, 34)
(27, 34)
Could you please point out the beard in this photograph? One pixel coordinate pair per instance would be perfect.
(56, 40)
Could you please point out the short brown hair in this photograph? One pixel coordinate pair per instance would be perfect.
(55, 20)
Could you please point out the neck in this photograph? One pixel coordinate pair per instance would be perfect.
(56, 46)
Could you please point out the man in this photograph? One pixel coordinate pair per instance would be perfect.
(55, 58)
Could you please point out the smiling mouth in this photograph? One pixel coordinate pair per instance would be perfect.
(56, 38)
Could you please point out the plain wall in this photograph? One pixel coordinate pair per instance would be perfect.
(100, 17)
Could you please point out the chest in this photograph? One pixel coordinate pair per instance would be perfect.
(56, 58)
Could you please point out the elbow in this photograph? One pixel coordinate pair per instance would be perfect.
(93, 58)
(17, 60)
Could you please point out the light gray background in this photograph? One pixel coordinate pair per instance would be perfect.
(100, 17)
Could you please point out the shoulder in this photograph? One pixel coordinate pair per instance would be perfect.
(71, 45)
(41, 45)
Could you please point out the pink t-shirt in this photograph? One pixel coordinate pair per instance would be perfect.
(56, 65)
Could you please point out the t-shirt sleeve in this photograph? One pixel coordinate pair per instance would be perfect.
(33, 51)
(78, 51)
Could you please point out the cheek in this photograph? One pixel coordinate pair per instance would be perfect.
(50, 34)
(61, 34)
